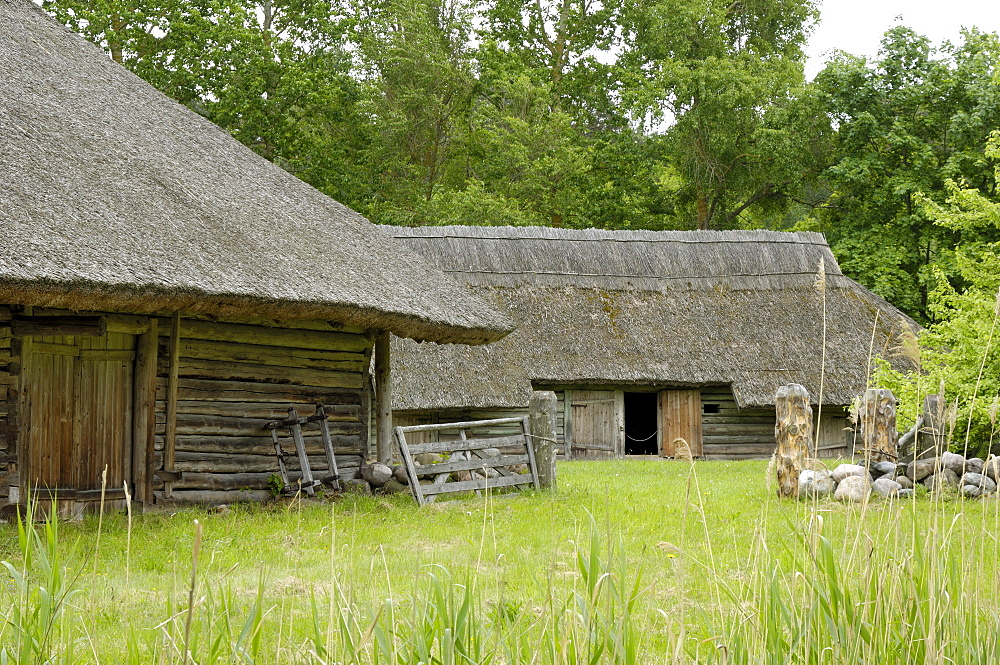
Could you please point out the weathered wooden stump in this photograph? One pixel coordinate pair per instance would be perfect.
(542, 423)
(926, 437)
(878, 426)
(793, 430)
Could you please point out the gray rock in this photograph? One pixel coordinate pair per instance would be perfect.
(973, 492)
(919, 469)
(974, 465)
(356, 486)
(847, 470)
(905, 494)
(883, 468)
(490, 452)
(395, 487)
(992, 469)
(377, 474)
(904, 482)
(953, 462)
(946, 480)
(423, 459)
(853, 489)
(491, 472)
(399, 474)
(815, 484)
(461, 476)
(979, 480)
(886, 487)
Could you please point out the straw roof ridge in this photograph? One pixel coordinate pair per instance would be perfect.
(651, 309)
(112, 195)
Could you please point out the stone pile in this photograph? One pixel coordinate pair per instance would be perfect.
(380, 478)
(972, 478)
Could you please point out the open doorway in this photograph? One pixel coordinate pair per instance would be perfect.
(640, 424)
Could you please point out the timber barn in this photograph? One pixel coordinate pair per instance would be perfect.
(164, 291)
(649, 336)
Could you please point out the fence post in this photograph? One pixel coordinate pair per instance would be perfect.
(542, 422)
(878, 426)
(793, 430)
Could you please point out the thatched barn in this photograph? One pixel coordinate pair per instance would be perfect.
(649, 336)
(164, 291)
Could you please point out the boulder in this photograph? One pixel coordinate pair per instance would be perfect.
(883, 468)
(423, 459)
(974, 465)
(848, 470)
(919, 469)
(461, 476)
(953, 462)
(395, 487)
(377, 474)
(854, 489)
(815, 484)
(356, 486)
(904, 482)
(992, 469)
(973, 492)
(491, 472)
(979, 480)
(490, 452)
(946, 480)
(399, 474)
(886, 487)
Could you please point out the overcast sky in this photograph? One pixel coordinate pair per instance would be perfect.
(856, 26)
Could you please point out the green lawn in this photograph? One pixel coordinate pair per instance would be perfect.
(630, 561)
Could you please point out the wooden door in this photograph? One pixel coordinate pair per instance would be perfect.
(680, 417)
(78, 408)
(598, 423)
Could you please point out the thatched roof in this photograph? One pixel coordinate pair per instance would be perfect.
(594, 307)
(112, 196)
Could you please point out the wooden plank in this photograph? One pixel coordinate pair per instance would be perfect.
(234, 426)
(568, 423)
(472, 485)
(201, 349)
(172, 397)
(127, 324)
(595, 423)
(249, 391)
(78, 326)
(213, 369)
(470, 444)
(56, 349)
(263, 410)
(259, 445)
(283, 337)
(144, 413)
(475, 424)
(107, 355)
(411, 469)
(472, 465)
(681, 419)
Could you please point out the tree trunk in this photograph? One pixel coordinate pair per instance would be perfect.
(793, 430)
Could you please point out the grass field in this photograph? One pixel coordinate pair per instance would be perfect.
(629, 562)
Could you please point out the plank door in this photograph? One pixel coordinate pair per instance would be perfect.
(598, 423)
(680, 415)
(78, 411)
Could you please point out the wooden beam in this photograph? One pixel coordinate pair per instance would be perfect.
(568, 423)
(383, 399)
(172, 380)
(79, 326)
(144, 413)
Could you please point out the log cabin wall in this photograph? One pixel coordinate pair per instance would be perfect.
(9, 370)
(232, 379)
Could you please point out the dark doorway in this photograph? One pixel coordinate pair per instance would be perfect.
(640, 424)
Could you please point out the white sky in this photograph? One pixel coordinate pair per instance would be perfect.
(856, 26)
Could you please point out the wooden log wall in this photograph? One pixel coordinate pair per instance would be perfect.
(10, 364)
(232, 378)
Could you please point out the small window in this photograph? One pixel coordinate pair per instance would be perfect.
(710, 408)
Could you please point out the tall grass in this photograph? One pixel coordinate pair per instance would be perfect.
(796, 582)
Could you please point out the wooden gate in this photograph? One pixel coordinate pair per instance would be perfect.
(598, 423)
(680, 415)
(78, 412)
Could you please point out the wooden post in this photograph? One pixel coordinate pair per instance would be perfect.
(170, 438)
(542, 425)
(568, 423)
(383, 399)
(926, 437)
(144, 413)
(878, 426)
(793, 430)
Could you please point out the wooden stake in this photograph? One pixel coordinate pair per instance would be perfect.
(878, 426)
(144, 413)
(383, 399)
(793, 430)
(542, 425)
